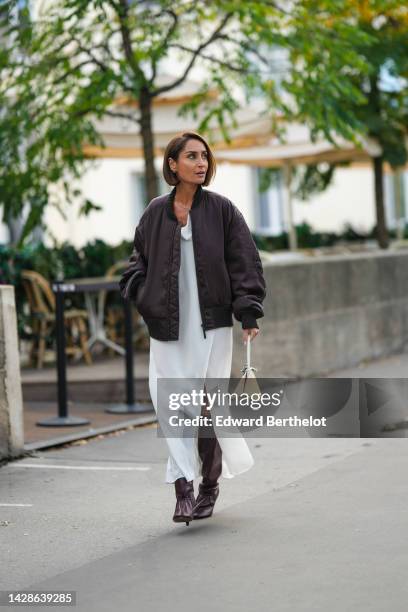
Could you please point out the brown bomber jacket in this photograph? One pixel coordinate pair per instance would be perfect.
(229, 270)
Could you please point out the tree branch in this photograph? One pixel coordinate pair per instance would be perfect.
(212, 59)
(276, 6)
(67, 73)
(246, 46)
(127, 43)
(88, 52)
(164, 43)
(119, 115)
(216, 34)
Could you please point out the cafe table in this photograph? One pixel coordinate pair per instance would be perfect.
(89, 286)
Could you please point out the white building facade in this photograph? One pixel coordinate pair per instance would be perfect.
(117, 185)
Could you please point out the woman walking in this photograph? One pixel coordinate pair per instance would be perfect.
(194, 264)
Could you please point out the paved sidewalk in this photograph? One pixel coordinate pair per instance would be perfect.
(91, 390)
(317, 524)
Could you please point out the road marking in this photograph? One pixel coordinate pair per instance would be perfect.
(80, 467)
(13, 505)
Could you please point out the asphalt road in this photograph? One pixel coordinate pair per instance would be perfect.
(317, 524)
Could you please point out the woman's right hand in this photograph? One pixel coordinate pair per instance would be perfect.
(249, 333)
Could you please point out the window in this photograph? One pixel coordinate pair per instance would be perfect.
(269, 217)
(139, 195)
(395, 199)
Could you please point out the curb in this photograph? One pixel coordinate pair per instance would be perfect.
(90, 433)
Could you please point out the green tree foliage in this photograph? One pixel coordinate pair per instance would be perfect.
(41, 140)
(78, 58)
(379, 79)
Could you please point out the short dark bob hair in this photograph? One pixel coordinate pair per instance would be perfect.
(173, 150)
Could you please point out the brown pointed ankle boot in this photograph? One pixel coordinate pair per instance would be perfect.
(185, 501)
(205, 501)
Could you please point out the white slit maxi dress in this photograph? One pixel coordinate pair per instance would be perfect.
(193, 356)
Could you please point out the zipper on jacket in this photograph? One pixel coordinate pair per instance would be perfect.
(198, 285)
(169, 281)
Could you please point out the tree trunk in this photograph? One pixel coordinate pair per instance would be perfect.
(152, 184)
(15, 227)
(382, 233)
(399, 201)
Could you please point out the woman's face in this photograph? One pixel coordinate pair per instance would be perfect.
(192, 163)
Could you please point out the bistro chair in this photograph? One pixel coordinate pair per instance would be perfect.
(114, 317)
(41, 300)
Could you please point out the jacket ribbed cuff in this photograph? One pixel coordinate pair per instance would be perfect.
(248, 321)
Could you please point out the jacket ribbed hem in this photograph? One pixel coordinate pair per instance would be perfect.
(167, 328)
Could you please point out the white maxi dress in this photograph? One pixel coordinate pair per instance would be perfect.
(193, 356)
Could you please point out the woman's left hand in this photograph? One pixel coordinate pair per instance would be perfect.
(246, 333)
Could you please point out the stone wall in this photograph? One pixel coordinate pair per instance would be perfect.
(329, 313)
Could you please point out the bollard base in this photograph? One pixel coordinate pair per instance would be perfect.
(68, 421)
(129, 408)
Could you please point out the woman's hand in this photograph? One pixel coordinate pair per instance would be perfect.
(249, 333)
